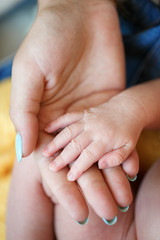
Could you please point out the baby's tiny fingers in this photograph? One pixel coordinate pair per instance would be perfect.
(131, 164)
(62, 139)
(63, 121)
(88, 157)
(71, 152)
(114, 158)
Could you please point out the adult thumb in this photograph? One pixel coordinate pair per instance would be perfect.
(26, 93)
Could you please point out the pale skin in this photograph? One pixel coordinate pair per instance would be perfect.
(49, 77)
(42, 83)
(107, 133)
(38, 221)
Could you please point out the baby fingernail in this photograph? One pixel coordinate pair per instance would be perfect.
(132, 179)
(18, 146)
(52, 167)
(103, 165)
(123, 209)
(70, 177)
(45, 152)
(110, 222)
(48, 128)
(83, 222)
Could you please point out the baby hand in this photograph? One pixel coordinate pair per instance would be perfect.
(107, 134)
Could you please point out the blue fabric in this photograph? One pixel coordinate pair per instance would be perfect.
(5, 69)
(6, 65)
(141, 36)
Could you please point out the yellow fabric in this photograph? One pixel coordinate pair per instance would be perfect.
(7, 152)
(148, 148)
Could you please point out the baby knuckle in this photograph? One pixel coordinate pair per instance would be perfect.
(68, 116)
(88, 155)
(130, 145)
(67, 133)
(119, 158)
(76, 145)
(88, 115)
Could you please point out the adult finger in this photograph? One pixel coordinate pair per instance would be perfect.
(26, 93)
(131, 165)
(119, 185)
(67, 193)
(97, 193)
(91, 154)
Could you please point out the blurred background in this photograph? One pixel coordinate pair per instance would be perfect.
(16, 18)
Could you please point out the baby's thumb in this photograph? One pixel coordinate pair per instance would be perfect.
(26, 93)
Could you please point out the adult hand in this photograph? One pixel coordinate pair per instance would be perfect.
(74, 49)
(108, 195)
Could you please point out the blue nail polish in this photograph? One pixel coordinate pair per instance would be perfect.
(132, 179)
(123, 209)
(18, 146)
(83, 222)
(110, 222)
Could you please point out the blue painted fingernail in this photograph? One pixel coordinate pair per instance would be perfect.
(132, 179)
(110, 222)
(18, 145)
(83, 222)
(123, 209)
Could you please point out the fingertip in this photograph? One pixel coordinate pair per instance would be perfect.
(18, 147)
(102, 164)
(71, 177)
(110, 222)
(52, 167)
(132, 179)
(48, 128)
(82, 223)
(131, 164)
(45, 152)
(29, 141)
(24, 144)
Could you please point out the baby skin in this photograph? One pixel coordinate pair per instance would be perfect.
(42, 224)
(106, 134)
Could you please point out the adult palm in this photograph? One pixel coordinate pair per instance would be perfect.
(73, 51)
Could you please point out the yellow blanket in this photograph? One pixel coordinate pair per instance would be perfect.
(7, 153)
(148, 148)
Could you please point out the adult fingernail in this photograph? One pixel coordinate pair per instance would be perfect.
(18, 146)
(110, 222)
(132, 179)
(123, 209)
(83, 222)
